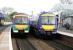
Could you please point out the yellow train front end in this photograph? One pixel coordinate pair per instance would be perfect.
(48, 27)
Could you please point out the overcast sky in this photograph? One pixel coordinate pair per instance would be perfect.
(29, 5)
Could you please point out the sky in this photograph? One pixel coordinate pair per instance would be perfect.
(27, 6)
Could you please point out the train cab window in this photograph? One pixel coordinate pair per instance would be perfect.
(51, 20)
(25, 20)
(45, 20)
(48, 20)
(20, 20)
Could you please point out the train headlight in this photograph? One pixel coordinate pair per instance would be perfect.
(15, 31)
(26, 31)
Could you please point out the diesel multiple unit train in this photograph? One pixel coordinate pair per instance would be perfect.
(20, 25)
(47, 24)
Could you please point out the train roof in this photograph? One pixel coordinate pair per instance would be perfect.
(21, 14)
(48, 14)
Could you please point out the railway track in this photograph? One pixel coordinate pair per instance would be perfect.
(65, 43)
(40, 44)
(66, 40)
(32, 43)
(58, 45)
(22, 44)
(55, 44)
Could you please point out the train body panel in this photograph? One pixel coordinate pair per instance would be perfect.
(20, 25)
(47, 24)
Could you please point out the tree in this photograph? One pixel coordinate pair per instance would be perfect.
(64, 7)
(12, 14)
(8, 12)
(66, 1)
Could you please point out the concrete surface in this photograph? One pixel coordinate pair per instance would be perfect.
(5, 40)
(63, 31)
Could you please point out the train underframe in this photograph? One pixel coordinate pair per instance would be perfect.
(20, 33)
(45, 34)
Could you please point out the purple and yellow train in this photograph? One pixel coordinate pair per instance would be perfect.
(47, 24)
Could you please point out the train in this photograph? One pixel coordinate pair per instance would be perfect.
(20, 25)
(47, 25)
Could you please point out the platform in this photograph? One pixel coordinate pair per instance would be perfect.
(5, 40)
(63, 31)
